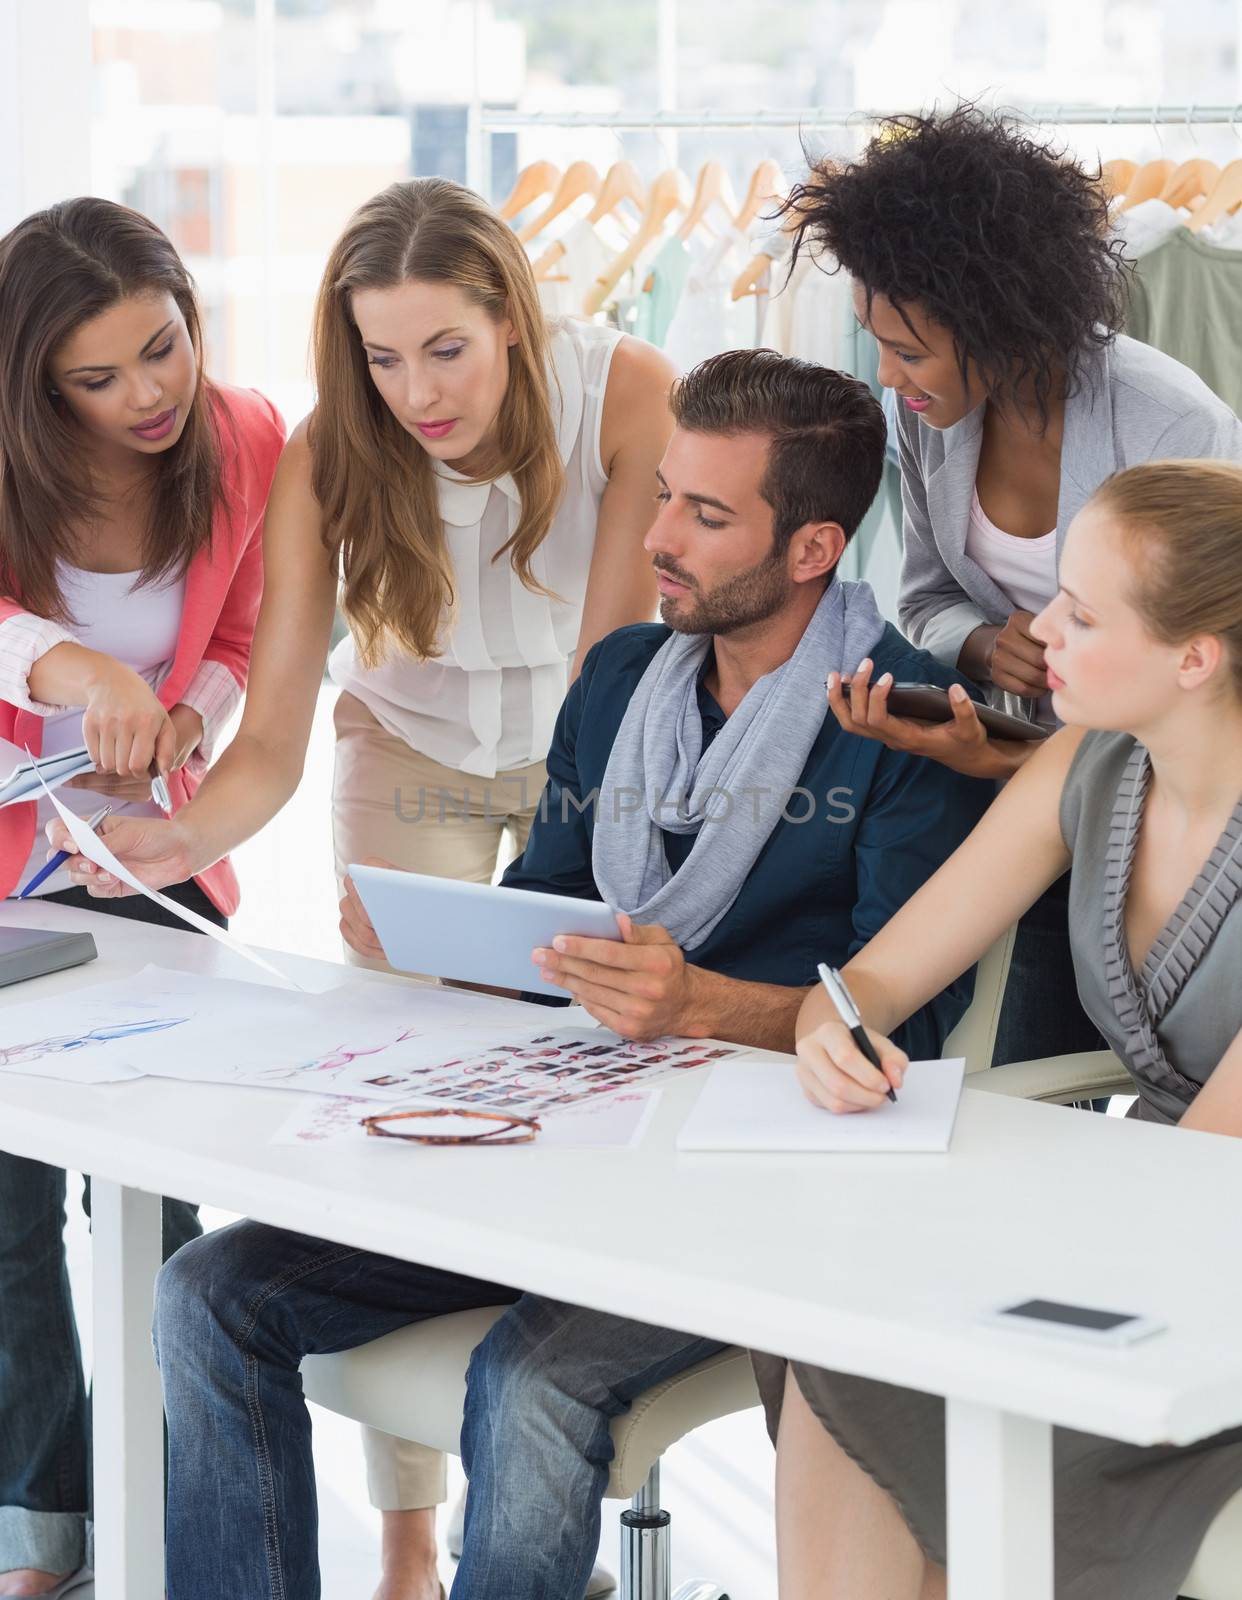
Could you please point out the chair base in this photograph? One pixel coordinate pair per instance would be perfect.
(646, 1536)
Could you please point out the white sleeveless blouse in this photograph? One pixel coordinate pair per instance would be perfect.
(489, 701)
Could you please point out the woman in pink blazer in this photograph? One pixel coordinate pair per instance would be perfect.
(131, 508)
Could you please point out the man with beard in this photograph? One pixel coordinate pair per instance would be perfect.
(697, 785)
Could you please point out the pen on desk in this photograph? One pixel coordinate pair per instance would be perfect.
(159, 791)
(61, 856)
(841, 997)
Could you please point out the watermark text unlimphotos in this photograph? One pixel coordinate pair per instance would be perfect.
(756, 803)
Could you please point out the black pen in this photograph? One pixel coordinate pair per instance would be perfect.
(840, 996)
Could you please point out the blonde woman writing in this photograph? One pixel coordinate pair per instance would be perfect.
(1140, 796)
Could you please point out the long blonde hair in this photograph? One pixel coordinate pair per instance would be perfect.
(1185, 518)
(375, 486)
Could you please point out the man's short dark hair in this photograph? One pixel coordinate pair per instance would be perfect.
(827, 432)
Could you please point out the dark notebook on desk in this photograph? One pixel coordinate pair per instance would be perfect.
(31, 952)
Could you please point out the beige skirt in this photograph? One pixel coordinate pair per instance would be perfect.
(1128, 1520)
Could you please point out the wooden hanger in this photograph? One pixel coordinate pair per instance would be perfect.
(621, 182)
(1147, 182)
(536, 179)
(766, 183)
(1223, 197)
(580, 178)
(711, 187)
(1118, 175)
(670, 192)
(545, 267)
(748, 280)
(1193, 180)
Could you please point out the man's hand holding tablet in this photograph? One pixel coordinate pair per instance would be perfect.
(641, 988)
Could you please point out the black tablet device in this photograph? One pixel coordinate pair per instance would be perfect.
(928, 702)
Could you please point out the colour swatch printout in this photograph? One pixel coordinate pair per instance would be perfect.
(533, 1074)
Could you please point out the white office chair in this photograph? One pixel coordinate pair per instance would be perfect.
(1071, 1080)
(412, 1383)
(975, 1035)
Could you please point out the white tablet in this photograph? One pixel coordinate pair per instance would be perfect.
(472, 931)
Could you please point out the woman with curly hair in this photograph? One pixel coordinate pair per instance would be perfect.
(985, 266)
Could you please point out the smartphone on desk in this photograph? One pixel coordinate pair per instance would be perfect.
(928, 702)
(1089, 1324)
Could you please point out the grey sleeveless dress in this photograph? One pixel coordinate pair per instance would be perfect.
(1128, 1519)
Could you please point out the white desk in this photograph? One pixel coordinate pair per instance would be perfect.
(873, 1265)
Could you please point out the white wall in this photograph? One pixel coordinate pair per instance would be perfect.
(45, 104)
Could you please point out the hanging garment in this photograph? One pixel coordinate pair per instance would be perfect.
(590, 249)
(1147, 225)
(656, 306)
(1227, 233)
(811, 312)
(1186, 299)
(707, 319)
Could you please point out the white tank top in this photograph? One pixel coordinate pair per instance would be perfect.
(1025, 570)
(489, 701)
(137, 626)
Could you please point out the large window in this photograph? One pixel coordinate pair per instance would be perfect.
(249, 129)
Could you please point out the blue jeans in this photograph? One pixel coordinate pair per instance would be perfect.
(44, 1415)
(235, 1313)
(45, 1495)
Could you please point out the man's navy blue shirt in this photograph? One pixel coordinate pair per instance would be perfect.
(882, 823)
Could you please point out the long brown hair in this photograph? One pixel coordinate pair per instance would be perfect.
(59, 269)
(375, 487)
(1185, 518)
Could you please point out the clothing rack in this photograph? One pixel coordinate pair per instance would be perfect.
(1063, 115)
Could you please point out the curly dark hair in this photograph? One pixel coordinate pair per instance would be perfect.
(1000, 238)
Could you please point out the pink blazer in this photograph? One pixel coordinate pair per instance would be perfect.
(222, 592)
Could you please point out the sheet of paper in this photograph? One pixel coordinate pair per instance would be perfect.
(90, 1035)
(614, 1122)
(94, 849)
(757, 1106)
(377, 1041)
(169, 1024)
(372, 1040)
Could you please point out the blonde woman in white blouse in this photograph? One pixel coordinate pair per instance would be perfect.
(479, 483)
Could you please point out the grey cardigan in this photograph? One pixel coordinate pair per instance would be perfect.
(1132, 404)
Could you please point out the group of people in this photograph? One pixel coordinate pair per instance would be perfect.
(499, 503)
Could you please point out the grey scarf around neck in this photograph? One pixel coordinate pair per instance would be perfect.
(731, 795)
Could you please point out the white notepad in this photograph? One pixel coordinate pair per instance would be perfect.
(753, 1105)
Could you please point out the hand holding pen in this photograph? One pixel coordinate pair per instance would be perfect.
(61, 856)
(840, 1066)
